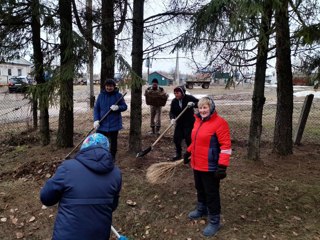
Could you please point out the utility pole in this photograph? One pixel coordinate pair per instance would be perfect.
(148, 66)
(177, 77)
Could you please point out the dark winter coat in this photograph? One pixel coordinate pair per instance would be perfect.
(187, 118)
(113, 121)
(87, 189)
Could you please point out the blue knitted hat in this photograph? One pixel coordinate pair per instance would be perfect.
(95, 139)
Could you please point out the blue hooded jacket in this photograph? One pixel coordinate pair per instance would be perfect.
(87, 189)
(113, 122)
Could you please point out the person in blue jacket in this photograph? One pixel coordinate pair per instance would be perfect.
(87, 189)
(111, 125)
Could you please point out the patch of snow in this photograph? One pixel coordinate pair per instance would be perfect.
(305, 93)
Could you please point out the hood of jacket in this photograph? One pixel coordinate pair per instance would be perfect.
(97, 158)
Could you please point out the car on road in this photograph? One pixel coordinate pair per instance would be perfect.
(18, 84)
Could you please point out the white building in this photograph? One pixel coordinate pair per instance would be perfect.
(12, 68)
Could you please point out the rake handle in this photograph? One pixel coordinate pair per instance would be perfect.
(167, 129)
(164, 132)
(115, 232)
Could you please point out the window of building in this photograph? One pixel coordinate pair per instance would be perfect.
(19, 72)
(9, 72)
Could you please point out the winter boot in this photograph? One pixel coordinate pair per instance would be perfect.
(213, 225)
(176, 157)
(158, 131)
(200, 211)
(152, 132)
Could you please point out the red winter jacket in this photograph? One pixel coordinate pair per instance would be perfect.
(211, 143)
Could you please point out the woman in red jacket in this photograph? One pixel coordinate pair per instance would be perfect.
(210, 152)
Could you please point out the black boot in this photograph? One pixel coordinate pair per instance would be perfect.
(153, 131)
(200, 211)
(213, 225)
(177, 156)
(158, 130)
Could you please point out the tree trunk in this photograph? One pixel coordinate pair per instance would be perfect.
(137, 63)
(38, 66)
(108, 36)
(258, 98)
(282, 143)
(35, 112)
(65, 129)
(90, 53)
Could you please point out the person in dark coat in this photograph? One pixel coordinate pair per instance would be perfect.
(184, 125)
(87, 189)
(111, 125)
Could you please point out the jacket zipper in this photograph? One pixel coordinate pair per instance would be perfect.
(195, 139)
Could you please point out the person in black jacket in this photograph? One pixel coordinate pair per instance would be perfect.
(183, 125)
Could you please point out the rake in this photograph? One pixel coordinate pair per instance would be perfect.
(148, 149)
(120, 237)
(104, 116)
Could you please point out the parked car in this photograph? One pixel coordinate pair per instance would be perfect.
(18, 84)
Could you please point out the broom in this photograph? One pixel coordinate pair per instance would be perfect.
(162, 172)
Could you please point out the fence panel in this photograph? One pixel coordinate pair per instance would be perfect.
(16, 113)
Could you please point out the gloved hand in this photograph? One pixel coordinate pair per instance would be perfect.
(221, 172)
(190, 104)
(114, 107)
(186, 157)
(96, 124)
(173, 121)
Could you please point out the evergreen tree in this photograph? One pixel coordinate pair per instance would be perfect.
(282, 142)
(19, 29)
(67, 64)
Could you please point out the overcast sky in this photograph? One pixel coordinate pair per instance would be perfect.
(163, 61)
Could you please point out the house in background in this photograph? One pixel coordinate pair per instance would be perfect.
(14, 67)
(163, 80)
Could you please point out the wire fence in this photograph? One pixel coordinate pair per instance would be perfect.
(234, 105)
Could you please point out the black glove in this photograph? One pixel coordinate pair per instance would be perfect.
(186, 157)
(221, 172)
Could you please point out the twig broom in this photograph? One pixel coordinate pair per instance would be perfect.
(162, 172)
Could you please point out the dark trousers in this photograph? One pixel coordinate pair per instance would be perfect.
(208, 191)
(113, 139)
(181, 132)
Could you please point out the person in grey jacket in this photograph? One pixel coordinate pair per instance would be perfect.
(155, 110)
